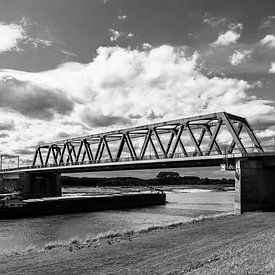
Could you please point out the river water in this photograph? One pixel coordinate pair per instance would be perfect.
(183, 205)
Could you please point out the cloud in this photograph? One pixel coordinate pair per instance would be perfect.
(122, 17)
(101, 120)
(69, 53)
(8, 126)
(239, 56)
(115, 34)
(130, 35)
(31, 100)
(122, 87)
(10, 36)
(230, 36)
(15, 36)
(146, 46)
(4, 135)
(24, 151)
(267, 22)
(212, 21)
(268, 40)
(272, 68)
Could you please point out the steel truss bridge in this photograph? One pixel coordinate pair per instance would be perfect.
(204, 140)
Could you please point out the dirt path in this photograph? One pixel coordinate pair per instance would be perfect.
(229, 245)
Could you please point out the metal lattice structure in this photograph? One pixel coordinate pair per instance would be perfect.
(205, 135)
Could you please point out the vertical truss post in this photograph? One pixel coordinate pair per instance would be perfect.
(173, 150)
(192, 137)
(88, 150)
(120, 148)
(213, 137)
(99, 151)
(169, 143)
(79, 151)
(107, 147)
(200, 139)
(145, 144)
(159, 142)
(154, 147)
(130, 146)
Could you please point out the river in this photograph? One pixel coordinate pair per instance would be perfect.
(183, 205)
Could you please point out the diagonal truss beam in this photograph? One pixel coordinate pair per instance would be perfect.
(110, 146)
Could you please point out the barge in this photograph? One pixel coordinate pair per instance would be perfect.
(14, 208)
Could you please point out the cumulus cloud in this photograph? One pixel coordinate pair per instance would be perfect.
(31, 100)
(10, 36)
(101, 120)
(124, 86)
(230, 36)
(14, 36)
(8, 125)
(239, 56)
(268, 40)
(115, 34)
(272, 68)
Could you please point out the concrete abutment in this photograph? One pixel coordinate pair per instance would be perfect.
(38, 185)
(254, 186)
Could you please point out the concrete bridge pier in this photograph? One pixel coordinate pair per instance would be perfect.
(254, 185)
(38, 185)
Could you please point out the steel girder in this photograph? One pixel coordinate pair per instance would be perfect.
(199, 133)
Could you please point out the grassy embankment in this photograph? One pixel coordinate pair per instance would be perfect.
(225, 245)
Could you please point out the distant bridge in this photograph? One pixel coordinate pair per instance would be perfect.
(206, 140)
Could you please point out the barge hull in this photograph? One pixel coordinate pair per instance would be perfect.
(61, 205)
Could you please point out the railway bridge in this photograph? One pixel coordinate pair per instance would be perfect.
(217, 139)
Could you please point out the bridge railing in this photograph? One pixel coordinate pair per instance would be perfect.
(236, 153)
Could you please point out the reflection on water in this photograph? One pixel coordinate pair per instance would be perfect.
(181, 207)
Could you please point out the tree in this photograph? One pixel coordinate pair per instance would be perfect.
(167, 175)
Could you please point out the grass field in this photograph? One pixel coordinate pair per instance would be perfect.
(225, 245)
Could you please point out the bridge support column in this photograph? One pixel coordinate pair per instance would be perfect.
(254, 186)
(38, 185)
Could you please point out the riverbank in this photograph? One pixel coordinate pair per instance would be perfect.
(226, 245)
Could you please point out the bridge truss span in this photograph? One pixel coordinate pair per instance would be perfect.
(206, 135)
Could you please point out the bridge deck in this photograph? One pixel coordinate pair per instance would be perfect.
(150, 163)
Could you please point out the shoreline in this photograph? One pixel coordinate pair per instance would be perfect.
(243, 243)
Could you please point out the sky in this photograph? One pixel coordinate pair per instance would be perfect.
(75, 67)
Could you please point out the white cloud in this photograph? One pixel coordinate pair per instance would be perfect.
(146, 46)
(130, 35)
(15, 36)
(272, 68)
(230, 36)
(212, 21)
(268, 40)
(121, 86)
(239, 56)
(122, 17)
(10, 36)
(115, 34)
